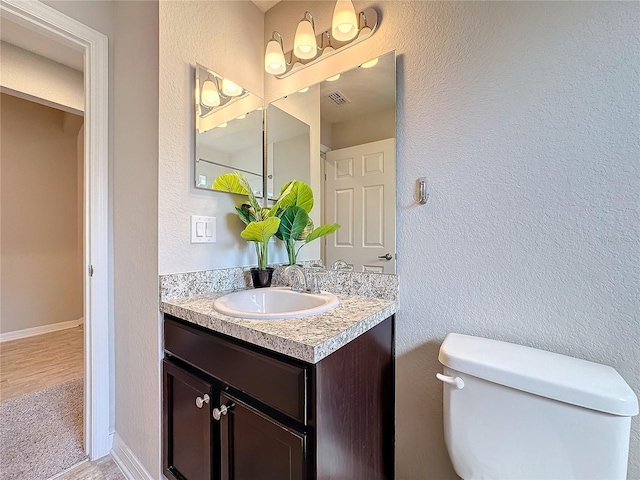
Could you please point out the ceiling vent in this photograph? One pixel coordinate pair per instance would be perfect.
(338, 98)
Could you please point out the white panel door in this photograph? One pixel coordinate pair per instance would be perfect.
(361, 196)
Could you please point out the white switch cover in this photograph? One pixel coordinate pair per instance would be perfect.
(203, 229)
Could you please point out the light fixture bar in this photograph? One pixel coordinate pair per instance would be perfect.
(368, 21)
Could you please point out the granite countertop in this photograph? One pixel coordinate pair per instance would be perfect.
(309, 339)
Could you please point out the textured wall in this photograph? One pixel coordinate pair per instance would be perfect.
(525, 118)
(39, 219)
(138, 340)
(40, 79)
(226, 37)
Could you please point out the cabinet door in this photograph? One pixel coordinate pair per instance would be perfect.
(187, 438)
(254, 446)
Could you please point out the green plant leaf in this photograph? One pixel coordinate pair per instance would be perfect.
(322, 231)
(236, 182)
(296, 193)
(307, 230)
(231, 182)
(292, 222)
(261, 231)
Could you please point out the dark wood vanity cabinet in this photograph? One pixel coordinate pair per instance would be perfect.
(232, 410)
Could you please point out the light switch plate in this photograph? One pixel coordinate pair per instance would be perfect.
(203, 229)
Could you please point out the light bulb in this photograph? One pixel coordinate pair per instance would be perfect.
(209, 96)
(370, 63)
(230, 89)
(304, 90)
(344, 25)
(274, 58)
(304, 44)
(334, 78)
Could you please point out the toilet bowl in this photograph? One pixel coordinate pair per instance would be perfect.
(514, 412)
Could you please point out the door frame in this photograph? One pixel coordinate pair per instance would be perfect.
(98, 306)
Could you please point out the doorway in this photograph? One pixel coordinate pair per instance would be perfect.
(48, 22)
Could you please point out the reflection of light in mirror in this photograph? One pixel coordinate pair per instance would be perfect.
(222, 125)
(241, 117)
(304, 90)
(230, 89)
(210, 96)
(305, 40)
(370, 63)
(345, 23)
(334, 78)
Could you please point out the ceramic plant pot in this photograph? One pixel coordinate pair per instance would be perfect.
(261, 278)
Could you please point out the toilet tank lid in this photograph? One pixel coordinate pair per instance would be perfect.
(559, 377)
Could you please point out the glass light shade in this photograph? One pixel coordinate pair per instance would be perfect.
(223, 125)
(230, 89)
(209, 96)
(334, 78)
(274, 58)
(304, 90)
(344, 25)
(244, 115)
(304, 45)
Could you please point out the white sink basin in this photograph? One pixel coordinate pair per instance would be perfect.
(274, 303)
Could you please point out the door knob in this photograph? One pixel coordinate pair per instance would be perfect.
(200, 401)
(387, 256)
(219, 412)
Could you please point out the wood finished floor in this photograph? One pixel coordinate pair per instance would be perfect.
(35, 363)
(102, 469)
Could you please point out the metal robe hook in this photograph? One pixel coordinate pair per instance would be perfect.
(423, 190)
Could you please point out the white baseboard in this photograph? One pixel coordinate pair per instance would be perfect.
(127, 461)
(32, 332)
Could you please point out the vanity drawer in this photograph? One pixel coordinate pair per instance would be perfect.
(277, 383)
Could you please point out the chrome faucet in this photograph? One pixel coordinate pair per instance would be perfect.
(342, 266)
(299, 280)
(303, 283)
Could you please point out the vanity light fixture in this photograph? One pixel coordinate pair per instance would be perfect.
(344, 25)
(222, 125)
(304, 43)
(348, 28)
(274, 62)
(304, 90)
(244, 115)
(334, 78)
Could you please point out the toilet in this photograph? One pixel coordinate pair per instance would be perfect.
(514, 412)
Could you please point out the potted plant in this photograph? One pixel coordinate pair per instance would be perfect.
(260, 223)
(289, 214)
(294, 205)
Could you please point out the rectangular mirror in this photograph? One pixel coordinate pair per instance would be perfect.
(289, 140)
(229, 131)
(351, 160)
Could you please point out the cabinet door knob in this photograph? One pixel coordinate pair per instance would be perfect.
(200, 401)
(219, 412)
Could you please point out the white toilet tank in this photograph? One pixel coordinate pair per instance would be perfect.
(514, 412)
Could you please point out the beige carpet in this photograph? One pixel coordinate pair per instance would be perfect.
(41, 432)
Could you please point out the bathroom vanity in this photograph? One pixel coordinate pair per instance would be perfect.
(241, 409)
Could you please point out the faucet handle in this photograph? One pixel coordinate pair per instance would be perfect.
(314, 272)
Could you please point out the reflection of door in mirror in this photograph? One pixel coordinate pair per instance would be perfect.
(357, 185)
(354, 178)
(228, 131)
